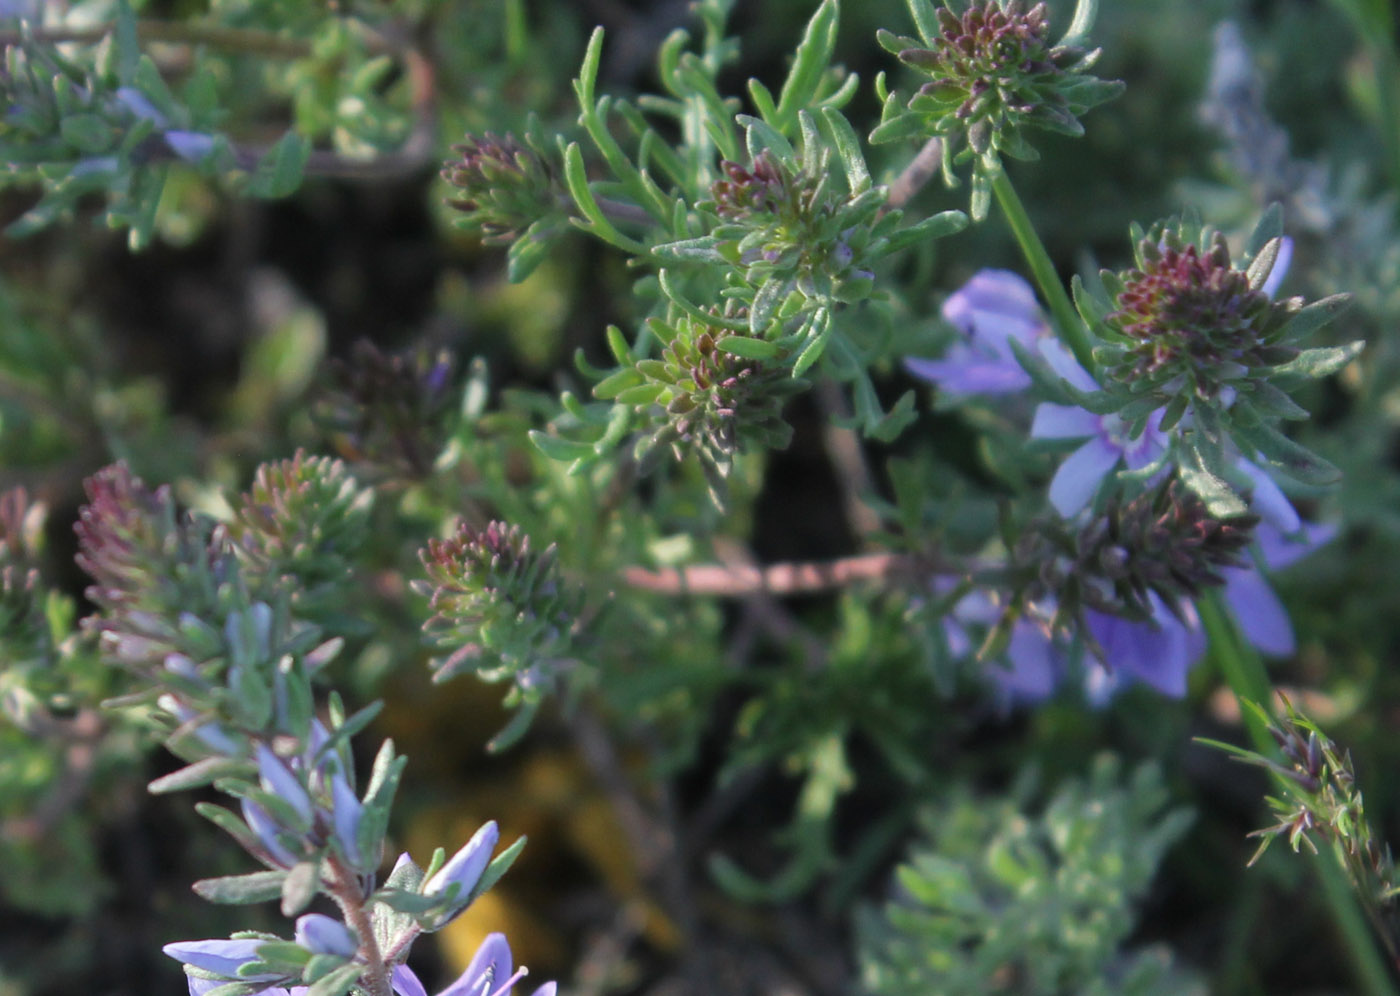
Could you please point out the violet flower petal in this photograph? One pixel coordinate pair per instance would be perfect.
(220, 956)
(971, 376)
(1268, 501)
(494, 957)
(1280, 270)
(1258, 612)
(1054, 421)
(1280, 551)
(465, 867)
(1080, 475)
(406, 983)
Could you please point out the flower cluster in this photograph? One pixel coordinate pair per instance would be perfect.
(508, 194)
(994, 73)
(1120, 573)
(782, 218)
(304, 517)
(708, 394)
(502, 609)
(1197, 346)
(388, 413)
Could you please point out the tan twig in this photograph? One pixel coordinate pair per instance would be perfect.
(919, 171)
(774, 579)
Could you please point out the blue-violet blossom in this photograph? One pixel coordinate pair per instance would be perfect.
(991, 310)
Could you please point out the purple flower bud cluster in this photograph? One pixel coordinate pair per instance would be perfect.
(1119, 571)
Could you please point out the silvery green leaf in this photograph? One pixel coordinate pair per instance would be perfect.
(299, 887)
(1320, 362)
(255, 887)
(1313, 317)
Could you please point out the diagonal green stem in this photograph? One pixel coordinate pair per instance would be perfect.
(1245, 674)
(1068, 325)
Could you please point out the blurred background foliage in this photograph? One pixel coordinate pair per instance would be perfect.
(728, 793)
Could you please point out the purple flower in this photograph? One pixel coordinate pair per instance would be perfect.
(993, 309)
(489, 974)
(221, 957)
(1107, 440)
(282, 782)
(1257, 610)
(1158, 652)
(321, 934)
(198, 987)
(456, 880)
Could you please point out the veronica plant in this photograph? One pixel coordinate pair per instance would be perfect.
(994, 75)
(225, 655)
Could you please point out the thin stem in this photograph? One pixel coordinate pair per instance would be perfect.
(919, 171)
(345, 889)
(776, 579)
(1068, 325)
(853, 474)
(1245, 673)
(247, 40)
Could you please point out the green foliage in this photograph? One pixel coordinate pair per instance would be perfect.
(995, 900)
(994, 75)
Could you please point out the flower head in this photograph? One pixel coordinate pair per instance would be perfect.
(994, 73)
(992, 310)
(506, 188)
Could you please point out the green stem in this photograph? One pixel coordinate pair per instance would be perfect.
(1244, 672)
(1068, 325)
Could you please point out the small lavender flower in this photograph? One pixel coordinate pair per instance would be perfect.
(222, 958)
(321, 934)
(455, 882)
(991, 310)
(489, 974)
(1255, 607)
(1109, 440)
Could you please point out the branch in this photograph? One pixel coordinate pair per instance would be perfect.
(776, 579)
(919, 171)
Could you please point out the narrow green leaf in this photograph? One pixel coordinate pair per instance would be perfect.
(596, 223)
(809, 65)
(819, 333)
(701, 250)
(1288, 457)
(255, 887)
(617, 343)
(748, 348)
(613, 385)
(936, 226)
(299, 887)
(199, 773)
(339, 982)
(1268, 228)
(925, 20)
(557, 448)
(1262, 263)
(279, 172)
(1085, 13)
(848, 148)
(674, 295)
(1313, 317)
(762, 99)
(759, 136)
(1219, 499)
(499, 865)
(587, 79)
(1320, 362)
